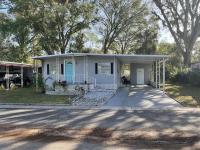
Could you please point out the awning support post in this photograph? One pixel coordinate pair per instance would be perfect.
(22, 76)
(7, 78)
(57, 70)
(87, 78)
(114, 63)
(84, 73)
(163, 75)
(37, 76)
(159, 73)
(156, 74)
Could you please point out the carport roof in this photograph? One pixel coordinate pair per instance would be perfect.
(122, 57)
(14, 64)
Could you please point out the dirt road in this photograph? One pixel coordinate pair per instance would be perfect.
(98, 129)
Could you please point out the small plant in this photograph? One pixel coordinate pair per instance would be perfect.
(39, 82)
(2, 87)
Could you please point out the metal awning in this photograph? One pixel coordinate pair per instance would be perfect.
(122, 57)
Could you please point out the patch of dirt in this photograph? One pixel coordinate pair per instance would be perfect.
(101, 135)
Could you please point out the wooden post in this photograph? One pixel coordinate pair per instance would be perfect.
(22, 76)
(163, 75)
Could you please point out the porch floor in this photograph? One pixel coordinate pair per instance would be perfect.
(144, 97)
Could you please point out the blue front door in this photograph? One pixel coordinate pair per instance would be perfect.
(69, 73)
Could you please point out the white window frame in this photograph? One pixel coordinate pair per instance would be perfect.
(107, 72)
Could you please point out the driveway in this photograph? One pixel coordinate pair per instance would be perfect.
(144, 97)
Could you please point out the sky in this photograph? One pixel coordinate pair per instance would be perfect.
(165, 36)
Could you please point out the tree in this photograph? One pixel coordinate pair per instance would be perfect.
(78, 45)
(116, 16)
(61, 20)
(148, 39)
(182, 18)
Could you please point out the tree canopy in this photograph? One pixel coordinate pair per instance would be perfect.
(182, 17)
(36, 27)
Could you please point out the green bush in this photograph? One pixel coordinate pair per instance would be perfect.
(185, 76)
(194, 77)
(41, 85)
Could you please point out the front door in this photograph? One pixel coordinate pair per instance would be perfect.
(140, 76)
(69, 72)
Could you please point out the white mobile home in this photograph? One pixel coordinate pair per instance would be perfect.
(103, 70)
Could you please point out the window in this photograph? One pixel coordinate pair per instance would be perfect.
(111, 64)
(47, 69)
(61, 69)
(103, 68)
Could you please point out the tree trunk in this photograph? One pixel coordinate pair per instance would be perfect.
(187, 58)
(105, 49)
(62, 50)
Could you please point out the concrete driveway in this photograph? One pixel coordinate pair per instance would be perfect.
(144, 97)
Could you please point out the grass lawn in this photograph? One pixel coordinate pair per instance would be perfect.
(28, 95)
(185, 94)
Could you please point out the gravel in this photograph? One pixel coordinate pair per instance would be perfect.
(93, 98)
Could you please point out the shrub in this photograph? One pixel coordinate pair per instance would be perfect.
(186, 77)
(40, 82)
(194, 77)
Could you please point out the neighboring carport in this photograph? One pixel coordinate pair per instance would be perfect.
(8, 68)
(142, 97)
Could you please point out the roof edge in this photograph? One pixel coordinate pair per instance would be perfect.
(95, 54)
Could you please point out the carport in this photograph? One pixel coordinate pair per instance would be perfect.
(8, 68)
(155, 64)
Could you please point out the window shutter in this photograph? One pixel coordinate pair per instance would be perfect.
(96, 68)
(47, 69)
(62, 69)
(111, 69)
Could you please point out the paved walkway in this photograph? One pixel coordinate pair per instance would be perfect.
(143, 97)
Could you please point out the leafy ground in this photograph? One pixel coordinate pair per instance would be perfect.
(28, 95)
(185, 94)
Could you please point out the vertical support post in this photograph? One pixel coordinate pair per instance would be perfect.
(156, 74)
(87, 69)
(57, 71)
(114, 69)
(74, 75)
(153, 72)
(7, 78)
(163, 75)
(84, 72)
(159, 73)
(36, 71)
(22, 76)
